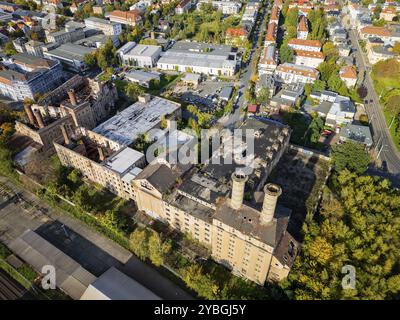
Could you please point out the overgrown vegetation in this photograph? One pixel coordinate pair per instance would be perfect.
(386, 80)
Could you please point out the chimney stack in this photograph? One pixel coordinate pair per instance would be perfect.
(72, 97)
(272, 192)
(29, 113)
(65, 134)
(39, 118)
(101, 153)
(238, 184)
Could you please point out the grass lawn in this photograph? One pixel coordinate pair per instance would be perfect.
(392, 129)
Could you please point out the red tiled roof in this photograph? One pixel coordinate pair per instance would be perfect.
(309, 43)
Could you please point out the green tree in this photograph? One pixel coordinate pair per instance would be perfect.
(138, 241)
(106, 55)
(358, 224)
(158, 249)
(133, 90)
(351, 156)
(286, 53)
(90, 60)
(9, 49)
(203, 284)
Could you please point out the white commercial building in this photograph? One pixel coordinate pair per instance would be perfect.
(226, 6)
(140, 55)
(219, 60)
(109, 28)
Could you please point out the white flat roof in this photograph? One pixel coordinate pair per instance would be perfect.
(123, 160)
(115, 285)
(137, 119)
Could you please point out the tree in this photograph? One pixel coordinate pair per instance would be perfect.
(203, 284)
(263, 96)
(396, 48)
(133, 90)
(286, 53)
(106, 55)
(358, 224)
(158, 249)
(292, 17)
(351, 156)
(9, 49)
(90, 60)
(138, 241)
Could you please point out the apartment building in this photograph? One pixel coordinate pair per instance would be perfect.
(302, 28)
(139, 55)
(65, 36)
(268, 61)
(225, 6)
(236, 36)
(378, 53)
(131, 18)
(388, 36)
(293, 73)
(270, 37)
(219, 60)
(275, 14)
(306, 45)
(109, 28)
(388, 14)
(28, 75)
(308, 58)
(340, 109)
(349, 75)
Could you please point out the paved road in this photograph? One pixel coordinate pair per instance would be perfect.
(236, 118)
(388, 153)
(11, 289)
(89, 248)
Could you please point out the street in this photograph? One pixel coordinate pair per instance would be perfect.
(90, 249)
(385, 147)
(231, 120)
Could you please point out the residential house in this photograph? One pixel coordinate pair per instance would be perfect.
(308, 58)
(349, 75)
(293, 73)
(306, 45)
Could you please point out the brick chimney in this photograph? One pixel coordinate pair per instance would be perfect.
(29, 113)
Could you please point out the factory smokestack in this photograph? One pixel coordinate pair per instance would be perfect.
(39, 118)
(238, 184)
(29, 113)
(272, 192)
(72, 97)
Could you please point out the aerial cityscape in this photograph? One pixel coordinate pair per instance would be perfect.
(200, 150)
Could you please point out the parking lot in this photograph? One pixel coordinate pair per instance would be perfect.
(205, 95)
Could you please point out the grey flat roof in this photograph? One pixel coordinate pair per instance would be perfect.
(38, 252)
(198, 54)
(115, 285)
(140, 75)
(137, 119)
(143, 50)
(357, 133)
(70, 51)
